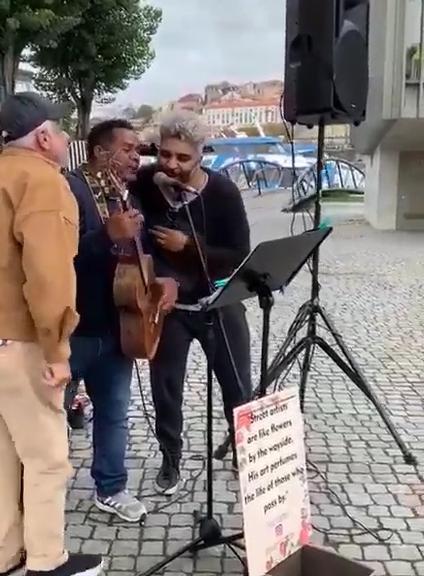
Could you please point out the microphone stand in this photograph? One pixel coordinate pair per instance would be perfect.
(210, 531)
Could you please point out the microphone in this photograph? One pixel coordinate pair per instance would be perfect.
(175, 192)
(163, 180)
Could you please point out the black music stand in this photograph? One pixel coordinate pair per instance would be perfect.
(271, 266)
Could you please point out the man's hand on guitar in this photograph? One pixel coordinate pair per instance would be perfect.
(171, 240)
(124, 226)
(169, 293)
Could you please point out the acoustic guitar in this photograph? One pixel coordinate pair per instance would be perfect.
(136, 291)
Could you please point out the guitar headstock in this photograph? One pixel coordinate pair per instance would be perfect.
(111, 184)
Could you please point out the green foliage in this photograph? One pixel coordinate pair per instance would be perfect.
(25, 23)
(145, 112)
(107, 48)
(129, 112)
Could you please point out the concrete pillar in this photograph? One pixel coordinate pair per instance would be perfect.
(381, 189)
(411, 191)
(394, 193)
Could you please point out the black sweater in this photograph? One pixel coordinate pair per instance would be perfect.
(225, 240)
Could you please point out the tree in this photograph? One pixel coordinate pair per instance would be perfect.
(129, 112)
(24, 23)
(98, 57)
(145, 112)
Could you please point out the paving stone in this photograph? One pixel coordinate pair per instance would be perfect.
(105, 533)
(182, 520)
(393, 523)
(360, 499)
(79, 531)
(128, 533)
(416, 524)
(376, 488)
(372, 287)
(74, 545)
(412, 537)
(352, 551)
(144, 563)
(152, 547)
(397, 568)
(384, 499)
(401, 512)
(209, 565)
(376, 552)
(124, 548)
(123, 563)
(378, 568)
(95, 547)
(406, 552)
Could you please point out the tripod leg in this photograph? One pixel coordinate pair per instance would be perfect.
(291, 356)
(358, 379)
(210, 357)
(339, 341)
(304, 373)
(299, 321)
(157, 568)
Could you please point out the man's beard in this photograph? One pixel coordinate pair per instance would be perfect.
(183, 177)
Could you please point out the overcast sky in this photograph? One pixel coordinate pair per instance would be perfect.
(204, 41)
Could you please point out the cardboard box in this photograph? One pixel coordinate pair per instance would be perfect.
(313, 561)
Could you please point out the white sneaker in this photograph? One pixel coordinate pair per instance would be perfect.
(123, 505)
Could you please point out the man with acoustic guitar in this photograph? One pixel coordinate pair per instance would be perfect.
(97, 356)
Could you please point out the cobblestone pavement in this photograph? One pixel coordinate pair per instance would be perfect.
(372, 287)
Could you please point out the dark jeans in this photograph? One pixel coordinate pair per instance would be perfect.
(107, 375)
(167, 370)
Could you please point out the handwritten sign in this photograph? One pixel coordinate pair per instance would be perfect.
(273, 481)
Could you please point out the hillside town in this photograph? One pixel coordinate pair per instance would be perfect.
(230, 110)
(248, 109)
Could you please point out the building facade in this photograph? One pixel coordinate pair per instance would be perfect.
(239, 112)
(392, 138)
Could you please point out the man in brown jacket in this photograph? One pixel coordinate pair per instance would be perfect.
(38, 242)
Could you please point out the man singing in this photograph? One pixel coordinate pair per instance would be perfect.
(96, 353)
(38, 239)
(220, 221)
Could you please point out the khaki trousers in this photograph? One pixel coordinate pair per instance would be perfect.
(33, 433)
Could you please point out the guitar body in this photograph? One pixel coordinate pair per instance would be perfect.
(141, 321)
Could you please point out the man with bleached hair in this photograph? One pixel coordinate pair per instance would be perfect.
(222, 231)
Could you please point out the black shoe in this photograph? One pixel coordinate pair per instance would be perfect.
(77, 565)
(223, 449)
(17, 570)
(234, 460)
(76, 418)
(168, 478)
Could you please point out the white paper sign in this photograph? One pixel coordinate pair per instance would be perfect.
(273, 481)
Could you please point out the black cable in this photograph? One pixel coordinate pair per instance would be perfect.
(364, 529)
(291, 139)
(203, 259)
(294, 179)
